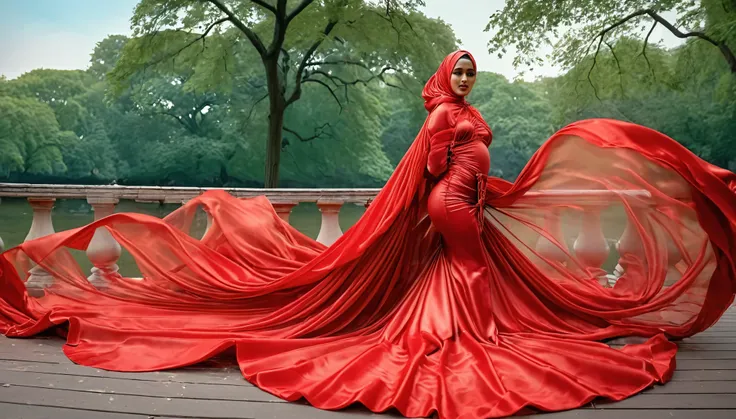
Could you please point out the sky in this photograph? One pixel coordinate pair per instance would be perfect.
(61, 34)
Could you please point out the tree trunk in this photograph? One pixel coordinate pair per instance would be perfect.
(277, 107)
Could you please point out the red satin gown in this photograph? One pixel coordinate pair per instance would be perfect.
(455, 293)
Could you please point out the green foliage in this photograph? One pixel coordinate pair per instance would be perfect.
(576, 28)
(520, 116)
(106, 54)
(208, 46)
(56, 88)
(156, 110)
(30, 139)
(687, 94)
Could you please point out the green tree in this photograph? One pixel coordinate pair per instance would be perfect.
(580, 27)
(56, 88)
(105, 55)
(686, 93)
(296, 44)
(30, 139)
(520, 117)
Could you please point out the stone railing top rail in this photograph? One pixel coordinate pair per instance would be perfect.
(179, 194)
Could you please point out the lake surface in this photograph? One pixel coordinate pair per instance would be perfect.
(16, 216)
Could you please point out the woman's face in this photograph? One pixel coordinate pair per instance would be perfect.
(463, 77)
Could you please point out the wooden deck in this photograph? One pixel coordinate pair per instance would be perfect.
(38, 381)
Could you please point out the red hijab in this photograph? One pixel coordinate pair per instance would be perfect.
(438, 89)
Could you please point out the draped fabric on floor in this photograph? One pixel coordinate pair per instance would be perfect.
(378, 318)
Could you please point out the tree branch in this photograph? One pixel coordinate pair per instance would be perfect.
(379, 76)
(296, 94)
(340, 62)
(298, 9)
(327, 86)
(279, 30)
(725, 50)
(252, 36)
(250, 113)
(185, 122)
(317, 132)
(390, 19)
(265, 5)
(595, 61)
(644, 49)
(618, 64)
(189, 44)
(334, 79)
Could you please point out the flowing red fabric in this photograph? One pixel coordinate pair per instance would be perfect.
(455, 293)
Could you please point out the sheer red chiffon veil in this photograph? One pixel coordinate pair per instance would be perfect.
(612, 229)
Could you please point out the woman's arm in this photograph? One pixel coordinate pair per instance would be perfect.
(441, 135)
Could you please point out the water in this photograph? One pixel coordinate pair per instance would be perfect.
(16, 216)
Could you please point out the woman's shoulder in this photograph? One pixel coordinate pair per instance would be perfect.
(442, 117)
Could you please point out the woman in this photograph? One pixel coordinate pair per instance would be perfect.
(455, 293)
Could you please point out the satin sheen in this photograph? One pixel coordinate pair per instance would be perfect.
(437, 299)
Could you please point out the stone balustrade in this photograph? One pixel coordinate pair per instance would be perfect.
(591, 248)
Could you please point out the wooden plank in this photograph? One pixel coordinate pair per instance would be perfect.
(707, 347)
(231, 378)
(13, 410)
(672, 401)
(124, 386)
(634, 414)
(709, 339)
(704, 375)
(706, 364)
(721, 355)
(728, 333)
(154, 406)
(695, 387)
(26, 358)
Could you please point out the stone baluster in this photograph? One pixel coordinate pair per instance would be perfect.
(40, 226)
(553, 226)
(591, 246)
(330, 230)
(628, 244)
(673, 258)
(103, 251)
(283, 208)
(207, 228)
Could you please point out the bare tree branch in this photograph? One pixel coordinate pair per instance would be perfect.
(189, 44)
(618, 64)
(318, 131)
(334, 79)
(644, 50)
(358, 64)
(327, 86)
(725, 50)
(252, 36)
(340, 62)
(390, 19)
(595, 61)
(250, 112)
